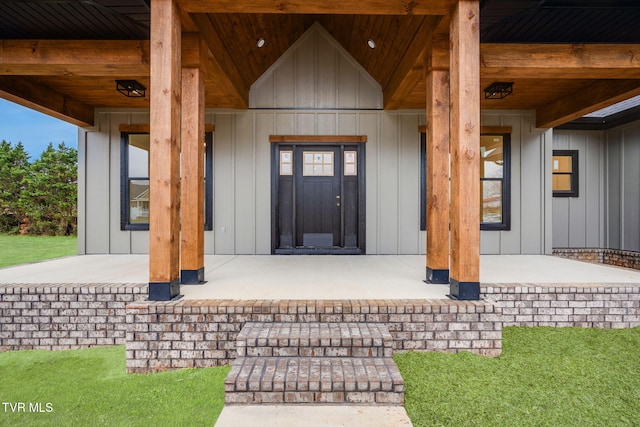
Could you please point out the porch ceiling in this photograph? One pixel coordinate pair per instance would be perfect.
(566, 59)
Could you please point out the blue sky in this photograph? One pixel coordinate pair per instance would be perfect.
(34, 129)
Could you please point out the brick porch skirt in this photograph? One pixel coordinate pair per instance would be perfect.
(615, 257)
(199, 333)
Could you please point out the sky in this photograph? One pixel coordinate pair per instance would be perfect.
(35, 130)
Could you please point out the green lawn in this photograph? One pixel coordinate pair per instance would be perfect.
(545, 377)
(90, 388)
(16, 250)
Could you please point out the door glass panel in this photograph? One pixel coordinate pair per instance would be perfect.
(286, 163)
(350, 163)
(317, 164)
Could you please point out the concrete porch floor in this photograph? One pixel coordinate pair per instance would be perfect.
(317, 277)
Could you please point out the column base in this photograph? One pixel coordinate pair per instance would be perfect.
(192, 277)
(164, 291)
(437, 277)
(469, 291)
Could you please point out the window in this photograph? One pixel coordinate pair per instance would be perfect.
(495, 182)
(565, 173)
(134, 192)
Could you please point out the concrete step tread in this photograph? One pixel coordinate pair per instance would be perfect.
(314, 339)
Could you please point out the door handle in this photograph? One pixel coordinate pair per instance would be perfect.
(338, 204)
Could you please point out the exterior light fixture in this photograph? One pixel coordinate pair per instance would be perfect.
(131, 88)
(498, 90)
(260, 43)
(371, 43)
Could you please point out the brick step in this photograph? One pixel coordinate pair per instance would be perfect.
(314, 340)
(352, 380)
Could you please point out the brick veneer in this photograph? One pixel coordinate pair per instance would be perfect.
(185, 334)
(616, 257)
(588, 306)
(65, 316)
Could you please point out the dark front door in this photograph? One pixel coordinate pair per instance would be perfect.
(318, 198)
(318, 195)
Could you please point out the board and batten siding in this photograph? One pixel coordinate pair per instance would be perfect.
(242, 180)
(579, 222)
(623, 187)
(531, 212)
(242, 165)
(315, 88)
(99, 186)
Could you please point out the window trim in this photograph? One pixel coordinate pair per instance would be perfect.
(506, 183)
(505, 225)
(125, 211)
(575, 175)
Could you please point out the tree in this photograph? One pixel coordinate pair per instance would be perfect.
(14, 163)
(49, 197)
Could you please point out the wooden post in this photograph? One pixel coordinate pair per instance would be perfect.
(465, 148)
(192, 158)
(165, 92)
(437, 153)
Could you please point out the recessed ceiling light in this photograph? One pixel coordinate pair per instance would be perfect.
(260, 43)
(371, 43)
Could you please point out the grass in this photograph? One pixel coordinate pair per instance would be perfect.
(16, 250)
(545, 377)
(90, 387)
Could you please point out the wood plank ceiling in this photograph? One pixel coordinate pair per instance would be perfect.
(560, 86)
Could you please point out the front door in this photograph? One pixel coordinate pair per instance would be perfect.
(318, 199)
(318, 195)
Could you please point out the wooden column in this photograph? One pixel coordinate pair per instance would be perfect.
(465, 148)
(437, 153)
(192, 160)
(165, 93)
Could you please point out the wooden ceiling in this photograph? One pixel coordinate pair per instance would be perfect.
(561, 81)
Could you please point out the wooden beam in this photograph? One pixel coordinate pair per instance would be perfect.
(437, 158)
(146, 128)
(564, 61)
(318, 138)
(345, 7)
(598, 96)
(483, 129)
(222, 58)
(465, 150)
(38, 97)
(192, 168)
(74, 57)
(164, 176)
(409, 70)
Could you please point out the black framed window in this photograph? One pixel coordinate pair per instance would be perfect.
(495, 182)
(134, 181)
(565, 173)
